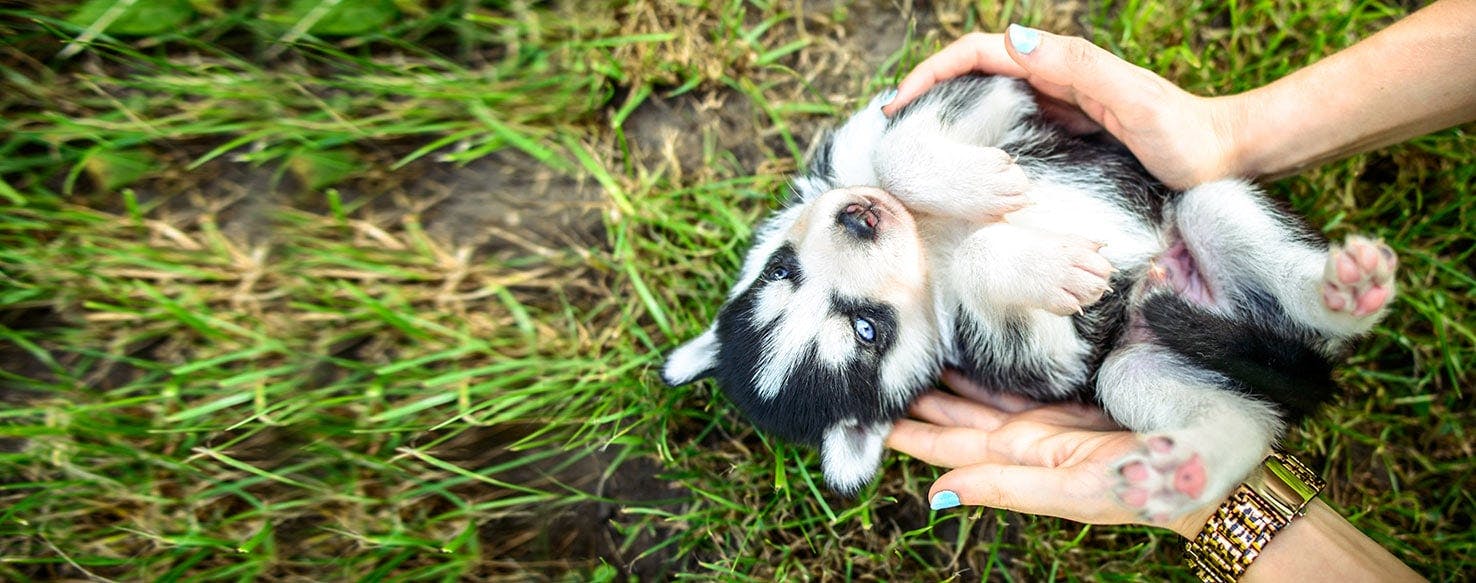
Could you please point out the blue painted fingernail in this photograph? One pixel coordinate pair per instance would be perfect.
(944, 499)
(1023, 39)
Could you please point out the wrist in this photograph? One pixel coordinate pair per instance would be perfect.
(1233, 123)
(1189, 525)
(1271, 498)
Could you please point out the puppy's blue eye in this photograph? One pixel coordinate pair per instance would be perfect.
(778, 273)
(864, 330)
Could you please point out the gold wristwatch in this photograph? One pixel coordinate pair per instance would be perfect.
(1277, 492)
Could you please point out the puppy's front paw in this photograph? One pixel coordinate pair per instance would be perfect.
(999, 184)
(1359, 278)
(1075, 275)
(1161, 479)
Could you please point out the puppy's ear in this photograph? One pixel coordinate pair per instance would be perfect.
(694, 360)
(850, 454)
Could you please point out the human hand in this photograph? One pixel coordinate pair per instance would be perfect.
(1183, 139)
(1013, 453)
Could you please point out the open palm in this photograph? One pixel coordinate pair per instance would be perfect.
(1013, 453)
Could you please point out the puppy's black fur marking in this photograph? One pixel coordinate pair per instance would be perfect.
(816, 396)
(1267, 360)
(820, 164)
(1009, 369)
(785, 257)
(1104, 323)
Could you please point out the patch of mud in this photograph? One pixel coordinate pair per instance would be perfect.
(508, 200)
(546, 541)
(237, 196)
(21, 363)
(503, 204)
(686, 136)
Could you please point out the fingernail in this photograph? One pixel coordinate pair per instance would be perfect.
(1023, 39)
(944, 499)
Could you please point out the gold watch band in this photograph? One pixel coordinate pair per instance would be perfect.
(1277, 492)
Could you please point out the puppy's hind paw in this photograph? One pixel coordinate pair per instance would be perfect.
(1160, 480)
(1359, 278)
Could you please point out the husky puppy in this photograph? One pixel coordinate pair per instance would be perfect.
(968, 232)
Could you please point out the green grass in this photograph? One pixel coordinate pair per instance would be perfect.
(377, 290)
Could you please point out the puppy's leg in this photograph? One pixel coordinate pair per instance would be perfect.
(1237, 241)
(938, 176)
(1002, 267)
(938, 153)
(1199, 439)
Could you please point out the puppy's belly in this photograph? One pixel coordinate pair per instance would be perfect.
(1129, 239)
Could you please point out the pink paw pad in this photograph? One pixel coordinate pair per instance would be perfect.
(1136, 472)
(1359, 278)
(1160, 479)
(1190, 477)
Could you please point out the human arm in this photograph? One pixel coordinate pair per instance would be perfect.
(1415, 76)
(1055, 460)
(1323, 546)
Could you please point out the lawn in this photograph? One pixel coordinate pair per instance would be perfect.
(378, 289)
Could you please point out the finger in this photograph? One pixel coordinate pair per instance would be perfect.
(971, 52)
(948, 410)
(1002, 401)
(1069, 493)
(949, 447)
(1001, 407)
(1074, 70)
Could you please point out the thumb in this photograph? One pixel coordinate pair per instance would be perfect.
(1074, 70)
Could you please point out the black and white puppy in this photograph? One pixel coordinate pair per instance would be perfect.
(968, 232)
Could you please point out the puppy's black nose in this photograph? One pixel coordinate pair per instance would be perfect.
(859, 220)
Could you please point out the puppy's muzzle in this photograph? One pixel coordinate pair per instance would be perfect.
(860, 220)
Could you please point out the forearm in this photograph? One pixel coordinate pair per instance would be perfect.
(1320, 546)
(1414, 77)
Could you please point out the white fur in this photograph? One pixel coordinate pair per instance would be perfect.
(938, 167)
(1228, 232)
(836, 342)
(944, 178)
(1151, 391)
(1058, 206)
(1003, 268)
(914, 358)
(1227, 228)
(791, 339)
(851, 163)
(692, 359)
(851, 453)
(773, 301)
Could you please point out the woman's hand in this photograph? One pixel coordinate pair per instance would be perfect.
(1182, 139)
(1012, 453)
